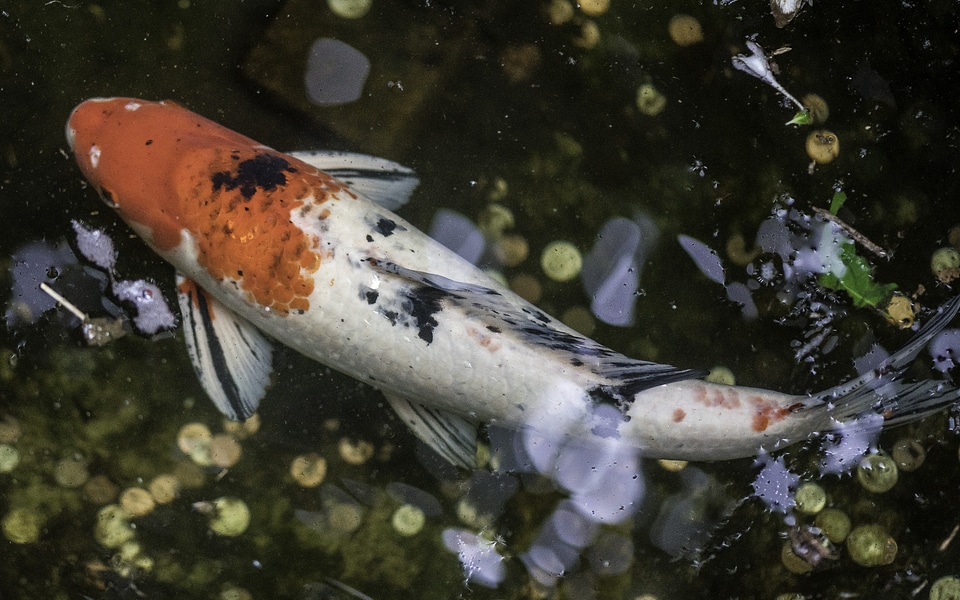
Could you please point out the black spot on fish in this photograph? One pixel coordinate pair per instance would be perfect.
(538, 315)
(148, 142)
(369, 295)
(493, 329)
(576, 362)
(422, 304)
(369, 238)
(385, 227)
(264, 171)
(610, 396)
(392, 316)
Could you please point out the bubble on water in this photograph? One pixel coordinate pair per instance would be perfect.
(775, 483)
(336, 72)
(458, 233)
(705, 257)
(32, 264)
(843, 447)
(611, 270)
(96, 246)
(481, 562)
(945, 349)
(153, 313)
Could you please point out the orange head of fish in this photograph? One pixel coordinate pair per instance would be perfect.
(168, 171)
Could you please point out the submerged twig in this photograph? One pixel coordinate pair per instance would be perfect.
(858, 237)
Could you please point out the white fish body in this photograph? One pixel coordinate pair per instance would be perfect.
(313, 264)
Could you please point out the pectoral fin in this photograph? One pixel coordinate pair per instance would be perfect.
(231, 357)
(452, 437)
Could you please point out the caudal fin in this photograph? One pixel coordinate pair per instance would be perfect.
(882, 391)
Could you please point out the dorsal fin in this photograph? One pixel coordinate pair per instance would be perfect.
(383, 181)
(497, 312)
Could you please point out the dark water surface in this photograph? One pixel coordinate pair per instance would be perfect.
(488, 102)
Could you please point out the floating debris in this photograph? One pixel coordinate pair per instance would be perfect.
(758, 65)
(784, 11)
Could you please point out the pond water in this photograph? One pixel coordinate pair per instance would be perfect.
(540, 122)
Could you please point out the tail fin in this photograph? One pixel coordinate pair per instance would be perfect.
(880, 390)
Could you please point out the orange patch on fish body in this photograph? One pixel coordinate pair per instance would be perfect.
(170, 170)
(766, 413)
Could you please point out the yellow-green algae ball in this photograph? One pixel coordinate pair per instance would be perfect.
(650, 101)
(408, 520)
(345, 517)
(350, 9)
(137, 502)
(113, 526)
(235, 593)
(833, 523)
(71, 473)
(9, 458)
(822, 146)
(945, 588)
(721, 375)
(561, 261)
(810, 498)
(22, 526)
(945, 264)
(908, 454)
(871, 546)
(230, 517)
(792, 562)
(877, 473)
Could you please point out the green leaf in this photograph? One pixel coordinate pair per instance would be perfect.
(838, 199)
(858, 281)
(801, 118)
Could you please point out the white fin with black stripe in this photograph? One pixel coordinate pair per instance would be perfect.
(451, 436)
(383, 181)
(231, 357)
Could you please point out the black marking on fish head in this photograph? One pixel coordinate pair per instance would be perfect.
(264, 172)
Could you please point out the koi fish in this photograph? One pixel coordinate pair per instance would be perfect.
(303, 249)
